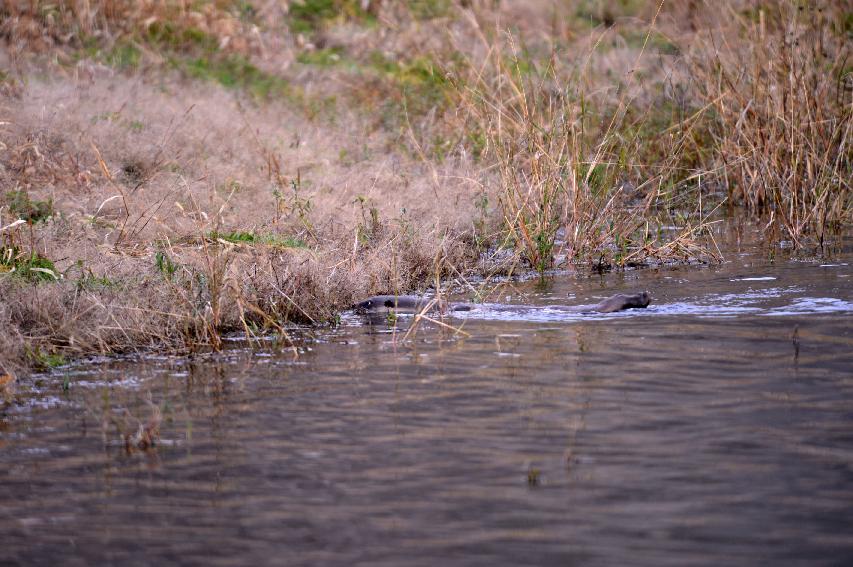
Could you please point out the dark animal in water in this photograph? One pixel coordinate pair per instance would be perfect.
(416, 303)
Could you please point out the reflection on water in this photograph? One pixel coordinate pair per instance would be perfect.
(712, 428)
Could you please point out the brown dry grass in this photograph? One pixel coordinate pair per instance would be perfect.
(229, 166)
(781, 85)
(197, 168)
(573, 182)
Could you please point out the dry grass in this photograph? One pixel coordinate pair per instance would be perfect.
(781, 85)
(186, 170)
(137, 263)
(567, 172)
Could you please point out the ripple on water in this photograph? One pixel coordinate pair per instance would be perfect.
(813, 305)
(688, 433)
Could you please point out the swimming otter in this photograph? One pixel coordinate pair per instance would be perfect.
(416, 303)
(621, 301)
(406, 304)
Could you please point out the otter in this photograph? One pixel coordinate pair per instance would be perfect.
(620, 302)
(416, 303)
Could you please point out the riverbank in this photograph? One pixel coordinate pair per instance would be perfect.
(173, 174)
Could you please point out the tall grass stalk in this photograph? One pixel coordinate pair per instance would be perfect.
(780, 85)
(564, 182)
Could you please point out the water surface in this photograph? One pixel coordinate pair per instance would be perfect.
(715, 427)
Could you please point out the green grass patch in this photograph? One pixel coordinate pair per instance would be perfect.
(241, 237)
(328, 57)
(594, 13)
(123, 55)
(308, 16)
(635, 38)
(23, 207)
(430, 9)
(168, 36)
(37, 268)
(46, 360)
(31, 267)
(246, 10)
(844, 27)
(194, 53)
(236, 72)
(420, 82)
(419, 71)
(599, 178)
(8, 81)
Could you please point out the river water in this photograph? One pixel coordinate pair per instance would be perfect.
(714, 427)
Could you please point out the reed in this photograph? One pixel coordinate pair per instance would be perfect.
(574, 172)
(778, 78)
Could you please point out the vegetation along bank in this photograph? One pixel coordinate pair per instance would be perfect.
(171, 172)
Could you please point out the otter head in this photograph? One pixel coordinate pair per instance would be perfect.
(640, 300)
(622, 301)
(365, 306)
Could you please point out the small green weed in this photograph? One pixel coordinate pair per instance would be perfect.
(285, 241)
(232, 186)
(165, 265)
(32, 267)
(236, 237)
(481, 202)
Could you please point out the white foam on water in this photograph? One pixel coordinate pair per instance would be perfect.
(751, 296)
(751, 302)
(35, 451)
(803, 305)
(44, 403)
(131, 383)
(713, 310)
